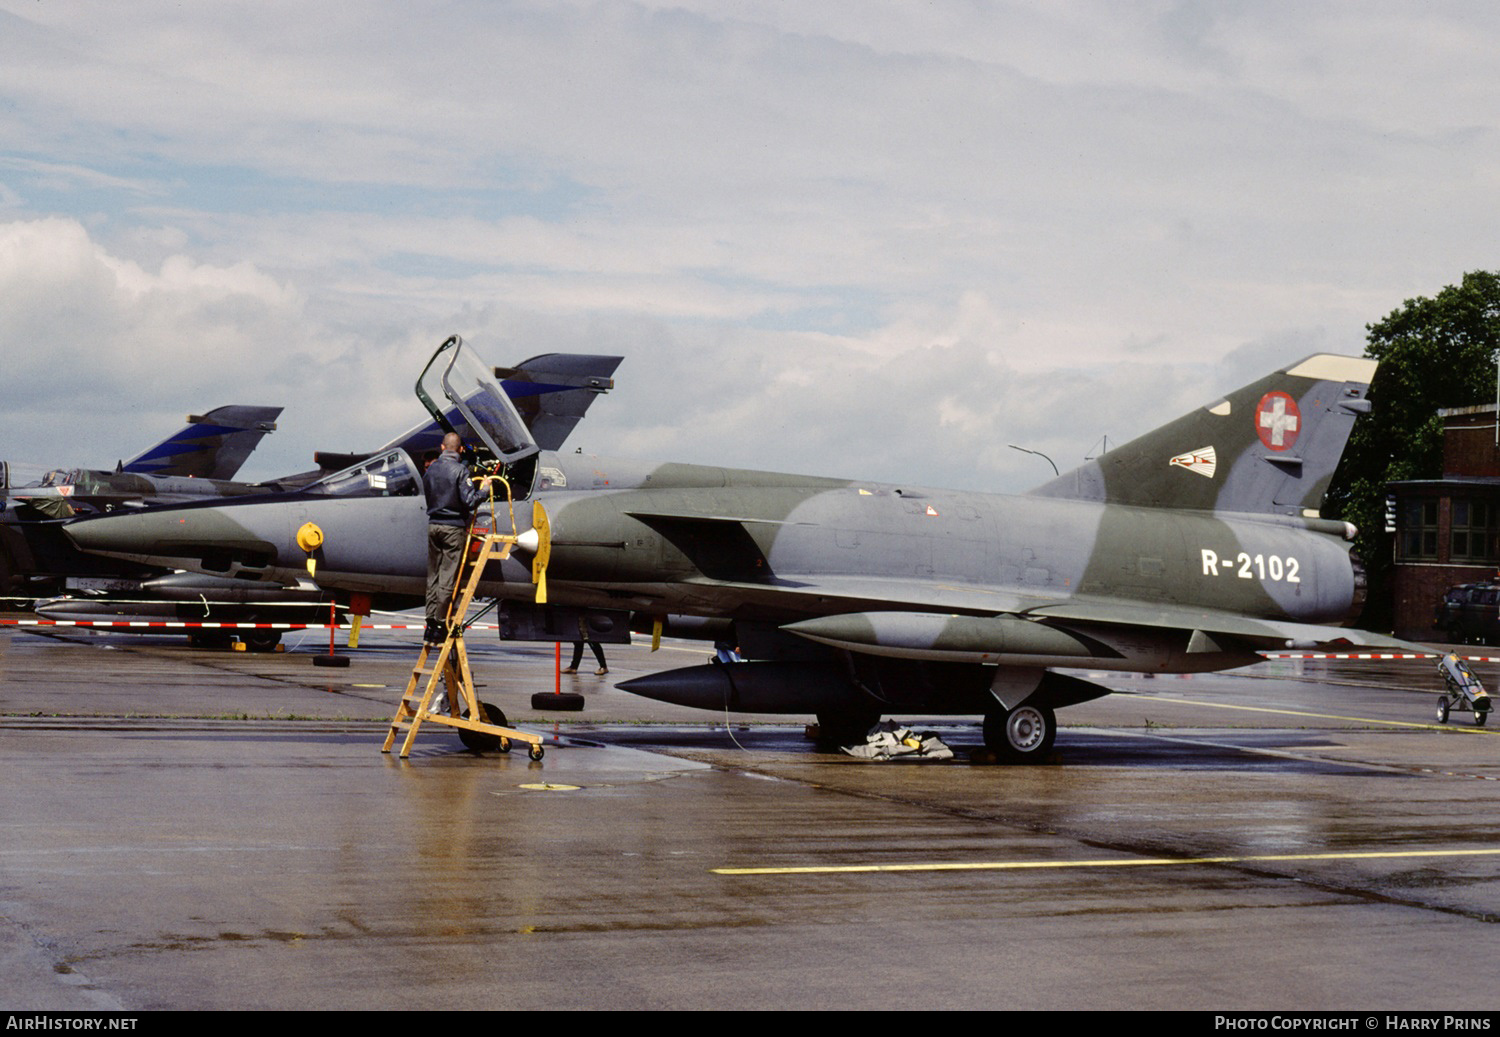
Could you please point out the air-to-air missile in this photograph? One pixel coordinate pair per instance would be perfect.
(211, 610)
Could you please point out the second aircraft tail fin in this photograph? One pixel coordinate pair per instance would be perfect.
(210, 446)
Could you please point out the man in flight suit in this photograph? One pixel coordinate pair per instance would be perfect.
(451, 499)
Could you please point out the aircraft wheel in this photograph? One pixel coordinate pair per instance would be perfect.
(1442, 710)
(261, 640)
(1021, 735)
(211, 639)
(845, 727)
(11, 582)
(479, 741)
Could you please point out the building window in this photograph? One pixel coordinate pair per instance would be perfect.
(1418, 537)
(1474, 531)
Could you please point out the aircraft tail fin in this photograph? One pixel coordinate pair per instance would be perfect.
(210, 446)
(1270, 447)
(551, 393)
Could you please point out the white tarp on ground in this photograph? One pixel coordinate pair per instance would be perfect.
(888, 740)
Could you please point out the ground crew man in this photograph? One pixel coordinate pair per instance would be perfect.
(451, 499)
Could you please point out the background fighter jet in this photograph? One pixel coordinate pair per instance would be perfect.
(552, 392)
(210, 449)
(198, 460)
(1189, 549)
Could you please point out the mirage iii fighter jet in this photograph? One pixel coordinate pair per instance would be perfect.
(1189, 549)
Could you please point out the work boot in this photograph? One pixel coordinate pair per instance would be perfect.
(434, 633)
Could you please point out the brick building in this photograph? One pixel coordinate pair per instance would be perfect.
(1448, 529)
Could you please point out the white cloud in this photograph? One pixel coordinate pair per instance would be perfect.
(876, 238)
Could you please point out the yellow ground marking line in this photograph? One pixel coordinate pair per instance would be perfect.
(1137, 862)
(1304, 713)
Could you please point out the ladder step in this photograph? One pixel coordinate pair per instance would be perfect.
(447, 660)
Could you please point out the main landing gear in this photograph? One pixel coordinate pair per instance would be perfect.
(1021, 735)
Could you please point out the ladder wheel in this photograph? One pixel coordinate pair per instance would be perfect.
(536, 752)
(478, 741)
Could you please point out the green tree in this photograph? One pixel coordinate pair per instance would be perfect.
(1433, 353)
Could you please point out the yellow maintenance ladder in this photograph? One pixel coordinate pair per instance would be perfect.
(481, 726)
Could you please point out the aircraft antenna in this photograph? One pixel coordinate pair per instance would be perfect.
(1038, 453)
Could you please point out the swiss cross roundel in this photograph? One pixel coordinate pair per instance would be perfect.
(1277, 421)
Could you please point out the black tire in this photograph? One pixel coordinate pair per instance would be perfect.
(261, 640)
(219, 640)
(564, 702)
(11, 582)
(478, 741)
(1442, 710)
(536, 752)
(1021, 735)
(1479, 717)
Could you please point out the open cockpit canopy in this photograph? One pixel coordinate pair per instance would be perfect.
(472, 387)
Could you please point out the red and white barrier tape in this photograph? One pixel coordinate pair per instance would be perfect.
(188, 625)
(1376, 655)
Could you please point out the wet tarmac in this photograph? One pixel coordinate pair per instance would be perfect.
(187, 828)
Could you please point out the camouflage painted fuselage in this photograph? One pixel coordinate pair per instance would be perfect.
(765, 547)
(1191, 548)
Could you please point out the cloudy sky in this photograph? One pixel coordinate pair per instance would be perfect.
(872, 239)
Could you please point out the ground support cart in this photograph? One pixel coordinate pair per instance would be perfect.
(1465, 693)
